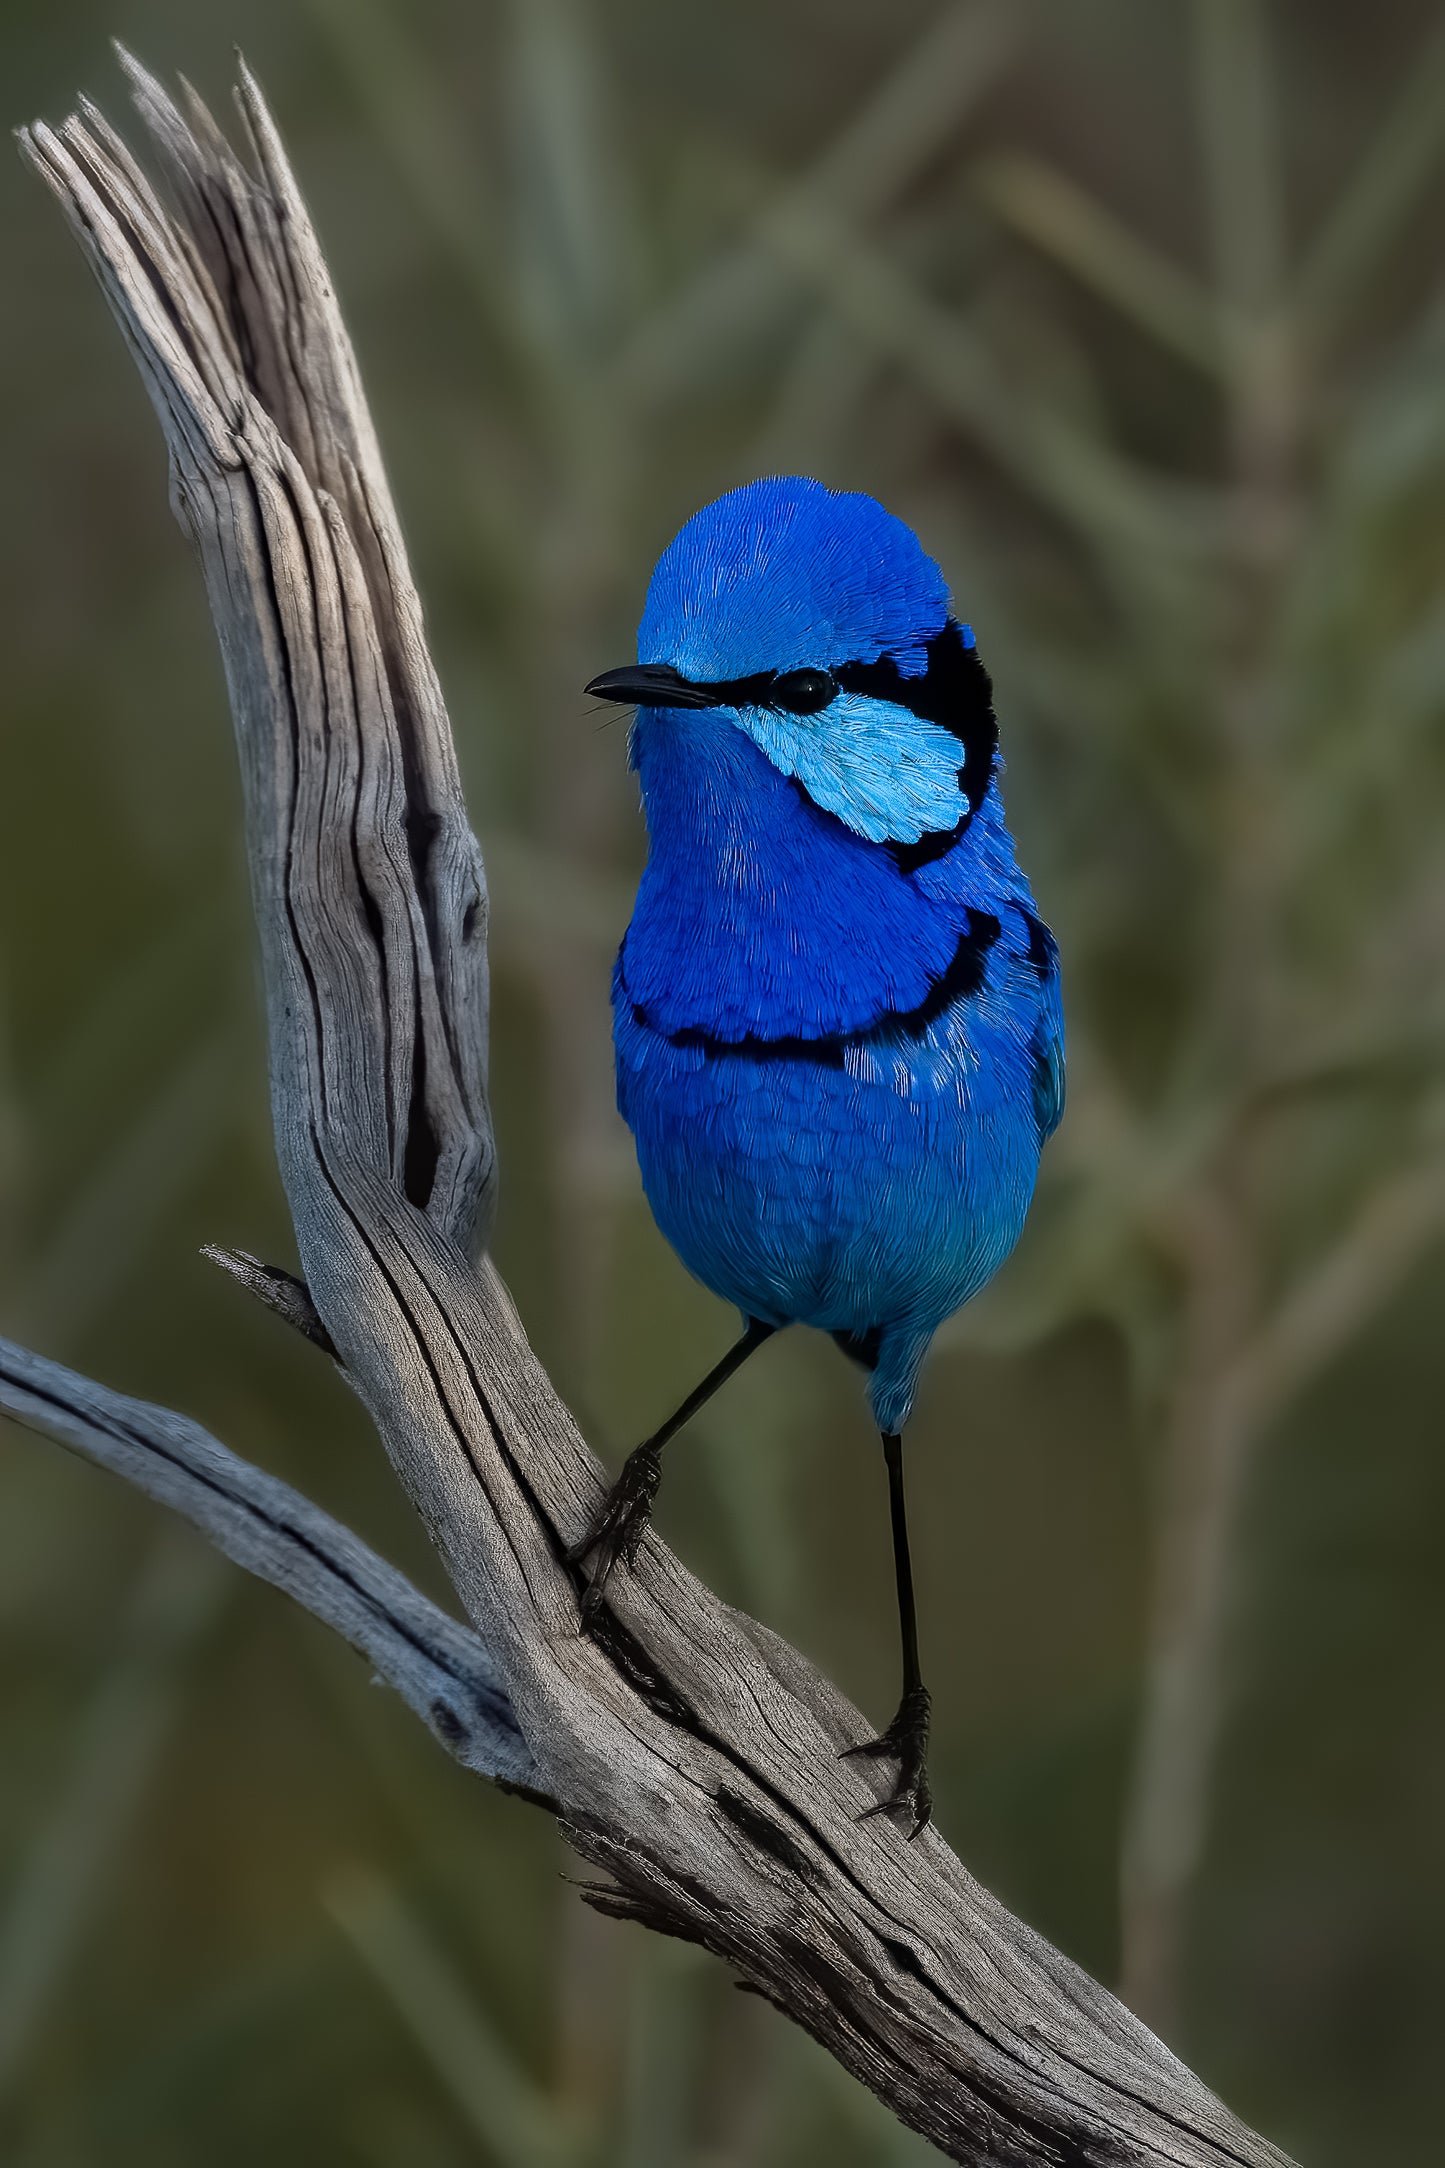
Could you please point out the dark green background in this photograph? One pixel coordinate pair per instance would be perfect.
(1135, 308)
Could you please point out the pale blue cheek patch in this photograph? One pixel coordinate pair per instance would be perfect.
(887, 774)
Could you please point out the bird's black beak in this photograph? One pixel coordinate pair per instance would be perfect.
(651, 685)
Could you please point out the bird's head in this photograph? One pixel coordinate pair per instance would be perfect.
(814, 622)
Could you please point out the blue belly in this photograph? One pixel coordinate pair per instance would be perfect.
(873, 1195)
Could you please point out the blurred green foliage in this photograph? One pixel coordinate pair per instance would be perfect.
(1135, 310)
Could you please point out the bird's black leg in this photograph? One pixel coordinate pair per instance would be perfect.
(619, 1527)
(906, 1739)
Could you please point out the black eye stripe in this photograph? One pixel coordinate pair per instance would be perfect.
(796, 692)
(954, 691)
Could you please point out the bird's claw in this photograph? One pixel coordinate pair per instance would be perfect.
(620, 1526)
(906, 1742)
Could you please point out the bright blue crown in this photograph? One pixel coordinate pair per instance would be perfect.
(785, 573)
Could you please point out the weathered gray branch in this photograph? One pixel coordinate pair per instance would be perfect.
(438, 1666)
(693, 1756)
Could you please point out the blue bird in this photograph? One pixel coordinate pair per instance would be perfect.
(837, 1021)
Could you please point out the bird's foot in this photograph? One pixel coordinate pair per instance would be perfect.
(906, 1742)
(620, 1526)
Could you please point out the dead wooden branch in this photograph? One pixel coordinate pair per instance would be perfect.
(439, 1667)
(692, 1756)
(280, 1290)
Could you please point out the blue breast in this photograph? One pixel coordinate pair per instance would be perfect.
(759, 913)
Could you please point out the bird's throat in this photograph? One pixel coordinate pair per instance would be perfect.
(759, 914)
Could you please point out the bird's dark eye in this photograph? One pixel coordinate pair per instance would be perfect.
(802, 692)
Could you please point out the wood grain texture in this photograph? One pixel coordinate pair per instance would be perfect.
(694, 1757)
